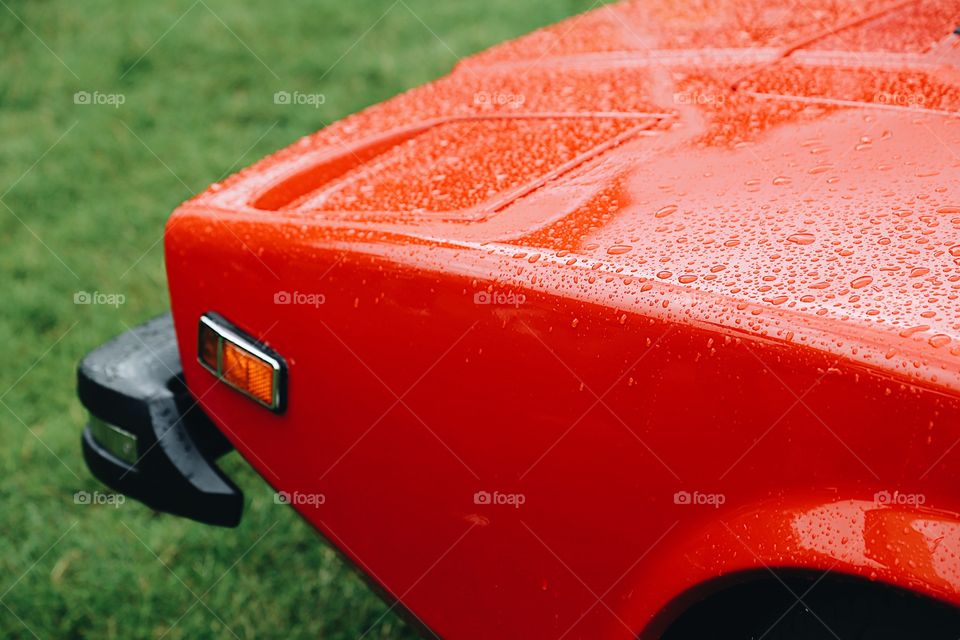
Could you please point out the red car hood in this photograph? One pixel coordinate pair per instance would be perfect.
(785, 172)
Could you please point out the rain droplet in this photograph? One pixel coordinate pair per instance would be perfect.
(801, 238)
(663, 212)
(920, 328)
(939, 340)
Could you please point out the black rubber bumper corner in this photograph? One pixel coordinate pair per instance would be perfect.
(161, 447)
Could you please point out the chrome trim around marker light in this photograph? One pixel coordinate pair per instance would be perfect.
(226, 331)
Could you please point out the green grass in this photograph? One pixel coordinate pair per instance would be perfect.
(87, 189)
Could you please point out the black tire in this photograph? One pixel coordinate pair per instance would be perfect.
(832, 608)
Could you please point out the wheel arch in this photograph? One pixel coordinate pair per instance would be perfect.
(910, 549)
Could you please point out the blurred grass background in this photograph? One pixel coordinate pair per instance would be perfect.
(84, 194)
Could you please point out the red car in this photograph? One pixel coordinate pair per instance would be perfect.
(645, 324)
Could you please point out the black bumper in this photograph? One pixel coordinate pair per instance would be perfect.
(147, 438)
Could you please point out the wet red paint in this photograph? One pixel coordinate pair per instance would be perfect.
(740, 233)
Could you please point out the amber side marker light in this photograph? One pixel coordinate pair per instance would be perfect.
(249, 366)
